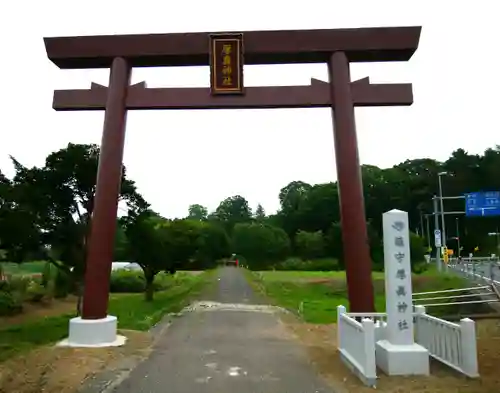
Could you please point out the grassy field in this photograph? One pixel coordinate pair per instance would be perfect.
(23, 268)
(132, 311)
(32, 267)
(317, 294)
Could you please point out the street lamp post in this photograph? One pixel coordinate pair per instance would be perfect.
(443, 230)
(428, 232)
(436, 228)
(422, 233)
(458, 238)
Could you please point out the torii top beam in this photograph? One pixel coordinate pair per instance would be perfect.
(261, 47)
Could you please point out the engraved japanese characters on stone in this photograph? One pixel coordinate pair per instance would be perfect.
(402, 307)
(401, 274)
(401, 291)
(399, 257)
(403, 325)
(399, 241)
(398, 225)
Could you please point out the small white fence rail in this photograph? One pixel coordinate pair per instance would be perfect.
(356, 344)
(452, 344)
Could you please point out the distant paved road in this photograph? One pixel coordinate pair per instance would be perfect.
(225, 351)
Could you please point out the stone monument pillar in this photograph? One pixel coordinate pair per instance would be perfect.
(398, 354)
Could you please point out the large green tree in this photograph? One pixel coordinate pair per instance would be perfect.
(260, 214)
(147, 245)
(197, 212)
(58, 198)
(213, 245)
(260, 244)
(233, 210)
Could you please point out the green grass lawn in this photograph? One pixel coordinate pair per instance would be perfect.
(23, 268)
(321, 292)
(132, 311)
(303, 275)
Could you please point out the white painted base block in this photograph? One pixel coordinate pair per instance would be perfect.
(402, 359)
(93, 333)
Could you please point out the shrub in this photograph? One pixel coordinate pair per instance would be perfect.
(417, 249)
(324, 264)
(310, 244)
(4, 285)
(61, 284)
(47, 275)
(290, 264)
(35, 292)
(9, 304)
(127, 281)
(164, 280)
(419, 268)
(130, 281)
(19, 284)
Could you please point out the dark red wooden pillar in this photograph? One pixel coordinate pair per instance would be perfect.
(352, 206)
(109, 174)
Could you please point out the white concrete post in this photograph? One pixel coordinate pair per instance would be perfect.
(469, 347)
(398, 287)
(419, 310)
(340, 310)
(369, 349)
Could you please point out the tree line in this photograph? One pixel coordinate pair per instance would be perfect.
(310, 214)
(45, 213)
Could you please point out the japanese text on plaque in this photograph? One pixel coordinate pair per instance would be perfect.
(226, 64)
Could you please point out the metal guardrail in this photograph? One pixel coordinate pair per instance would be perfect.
(483, 270)
(486, 294)
(482, 273)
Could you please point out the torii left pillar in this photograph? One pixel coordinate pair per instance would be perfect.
(352, 205)
(95, 328)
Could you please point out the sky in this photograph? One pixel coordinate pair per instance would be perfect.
(178, 158)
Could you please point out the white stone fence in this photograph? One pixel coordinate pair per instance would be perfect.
(452, 344)
(356, 344)
(379, 320)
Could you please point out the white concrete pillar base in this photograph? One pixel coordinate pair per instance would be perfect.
(93, 333)
(410, 359)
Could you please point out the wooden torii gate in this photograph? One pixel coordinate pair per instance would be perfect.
(226, 53)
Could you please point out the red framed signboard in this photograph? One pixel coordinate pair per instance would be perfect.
(226, 63)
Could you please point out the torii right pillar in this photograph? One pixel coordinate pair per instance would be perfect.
(352, 206)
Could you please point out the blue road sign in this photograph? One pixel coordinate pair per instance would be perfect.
(482, 204)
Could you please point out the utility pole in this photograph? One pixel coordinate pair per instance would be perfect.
(443, 230)
(436, 227)
(436, 213)
(458, 237)
(422, 233)
(428, 232)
